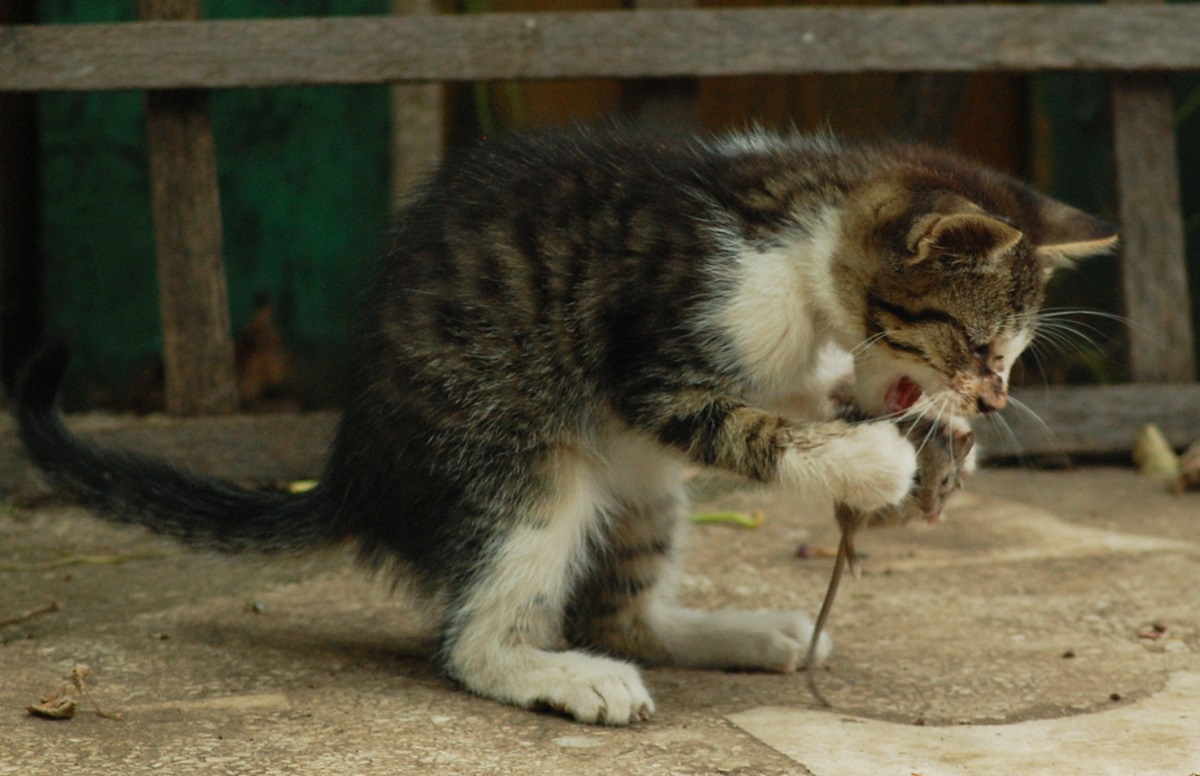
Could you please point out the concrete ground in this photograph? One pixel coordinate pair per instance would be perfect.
(1052, 625)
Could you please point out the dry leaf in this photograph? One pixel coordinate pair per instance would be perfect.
(751, 520)
(1154, 455)
(1154, 632)
(61, 704)
(301, 486)
(56, 705)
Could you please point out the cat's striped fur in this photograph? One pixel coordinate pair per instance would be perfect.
(563, 321)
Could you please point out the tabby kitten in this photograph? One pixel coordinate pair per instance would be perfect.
(563, 322)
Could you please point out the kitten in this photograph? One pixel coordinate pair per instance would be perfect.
(562, 323)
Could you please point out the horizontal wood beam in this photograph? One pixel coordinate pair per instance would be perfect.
(620, 44)
(1083, 421)
(1091, 420)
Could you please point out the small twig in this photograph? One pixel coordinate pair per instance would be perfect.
(87, 560)
(78, 674)
(49, 608)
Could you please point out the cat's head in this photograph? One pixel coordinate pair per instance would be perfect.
(944, 269)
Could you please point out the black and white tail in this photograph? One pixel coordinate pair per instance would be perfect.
(129, 488)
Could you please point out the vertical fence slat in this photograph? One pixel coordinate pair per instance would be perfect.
(197, 339)
(664, 102)
(1153, 258)
(1153, 251)
(417, 131)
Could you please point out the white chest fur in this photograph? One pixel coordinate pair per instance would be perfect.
(781, 310)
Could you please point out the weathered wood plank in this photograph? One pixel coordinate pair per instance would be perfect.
(623, 44)
(417, 110)
(1154, 258)
(1092, 420)
(197, 340)
(673, 103)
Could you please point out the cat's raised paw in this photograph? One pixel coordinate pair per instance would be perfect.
(876, 466)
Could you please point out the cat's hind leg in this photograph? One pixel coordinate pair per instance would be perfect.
(626, 605)
(503, 635)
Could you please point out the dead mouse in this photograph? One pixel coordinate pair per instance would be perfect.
(943, 460)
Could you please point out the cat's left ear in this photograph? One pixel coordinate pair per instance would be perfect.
(1066, 235)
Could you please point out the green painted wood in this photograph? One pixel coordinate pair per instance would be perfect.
(304, 204)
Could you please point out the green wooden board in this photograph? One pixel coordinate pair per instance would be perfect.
(304, 202)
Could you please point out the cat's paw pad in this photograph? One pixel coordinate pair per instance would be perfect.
(877, 466)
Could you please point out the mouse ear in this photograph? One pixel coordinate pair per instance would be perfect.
(962, 441)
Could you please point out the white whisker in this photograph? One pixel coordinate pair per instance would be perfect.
(861, 347)
(1027, 410)
(998, 421)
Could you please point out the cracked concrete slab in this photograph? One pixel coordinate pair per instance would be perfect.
(1156, 736)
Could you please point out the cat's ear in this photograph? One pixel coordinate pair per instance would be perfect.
(972, 238)
(1065, 235)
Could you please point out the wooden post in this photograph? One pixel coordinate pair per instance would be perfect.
(931, 103)
(1153, 257)
(416, 120)
(671, 103)
(197, 341)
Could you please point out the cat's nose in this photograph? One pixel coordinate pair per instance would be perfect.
(986, 404)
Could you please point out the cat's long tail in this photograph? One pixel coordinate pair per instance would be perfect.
(130, 488)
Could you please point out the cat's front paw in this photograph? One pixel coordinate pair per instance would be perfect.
(760, 641)
(874, 466)
(778, 641)
(592, 689)
(598, 691)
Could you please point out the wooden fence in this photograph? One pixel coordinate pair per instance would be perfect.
(175, 57)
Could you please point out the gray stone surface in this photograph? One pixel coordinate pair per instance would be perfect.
(1017, 621)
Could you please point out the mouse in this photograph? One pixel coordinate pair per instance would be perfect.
(944, 460)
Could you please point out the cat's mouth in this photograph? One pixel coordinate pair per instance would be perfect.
(901, 396)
